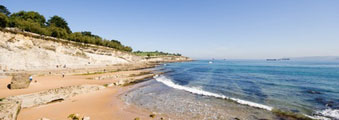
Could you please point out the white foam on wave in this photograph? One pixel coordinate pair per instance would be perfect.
(329, 113)
(169, 83)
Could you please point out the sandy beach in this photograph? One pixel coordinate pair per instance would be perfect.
(100, 105)
(86, 80)
(103, 104)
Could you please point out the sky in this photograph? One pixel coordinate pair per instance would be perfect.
(204, 29)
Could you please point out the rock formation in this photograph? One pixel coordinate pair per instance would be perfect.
(10, 106)
(20, 81)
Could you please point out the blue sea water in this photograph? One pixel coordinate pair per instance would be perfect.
(307, 87)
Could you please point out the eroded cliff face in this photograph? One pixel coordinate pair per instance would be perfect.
(29, 52)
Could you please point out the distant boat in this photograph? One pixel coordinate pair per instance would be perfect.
(210, 62)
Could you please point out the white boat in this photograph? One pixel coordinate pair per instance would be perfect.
(210, 62)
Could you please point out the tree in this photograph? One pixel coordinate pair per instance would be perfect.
(29, 21)
(3, 20)
(58, 32)
(115, 41)
(88, 33)
(59, 22)
(56, 27)
(29, 16)
(4, 10)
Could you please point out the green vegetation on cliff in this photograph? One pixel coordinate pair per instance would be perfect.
(155, 53)
(56, 26)
(4, 10)
(3, 20)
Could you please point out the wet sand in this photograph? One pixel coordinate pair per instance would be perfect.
(179, 104)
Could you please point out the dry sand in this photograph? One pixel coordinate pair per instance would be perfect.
(99, 105)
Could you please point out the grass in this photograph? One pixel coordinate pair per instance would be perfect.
(290, 115)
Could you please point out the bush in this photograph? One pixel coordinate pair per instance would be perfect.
(88, 37)
(58, 32)
(155, 53)
(29, 26)
(29, 21)
(3, 20)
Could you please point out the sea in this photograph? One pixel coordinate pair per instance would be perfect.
(242, 89)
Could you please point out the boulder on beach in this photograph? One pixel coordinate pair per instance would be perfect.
(20, 81)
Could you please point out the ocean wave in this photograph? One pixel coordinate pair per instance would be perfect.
(199, 91)
(328, 113)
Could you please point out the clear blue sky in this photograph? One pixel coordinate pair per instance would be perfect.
(204, 28)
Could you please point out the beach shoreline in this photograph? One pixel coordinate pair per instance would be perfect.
(181, 104)
(99, 104)
(169, 93)
(107, 103)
